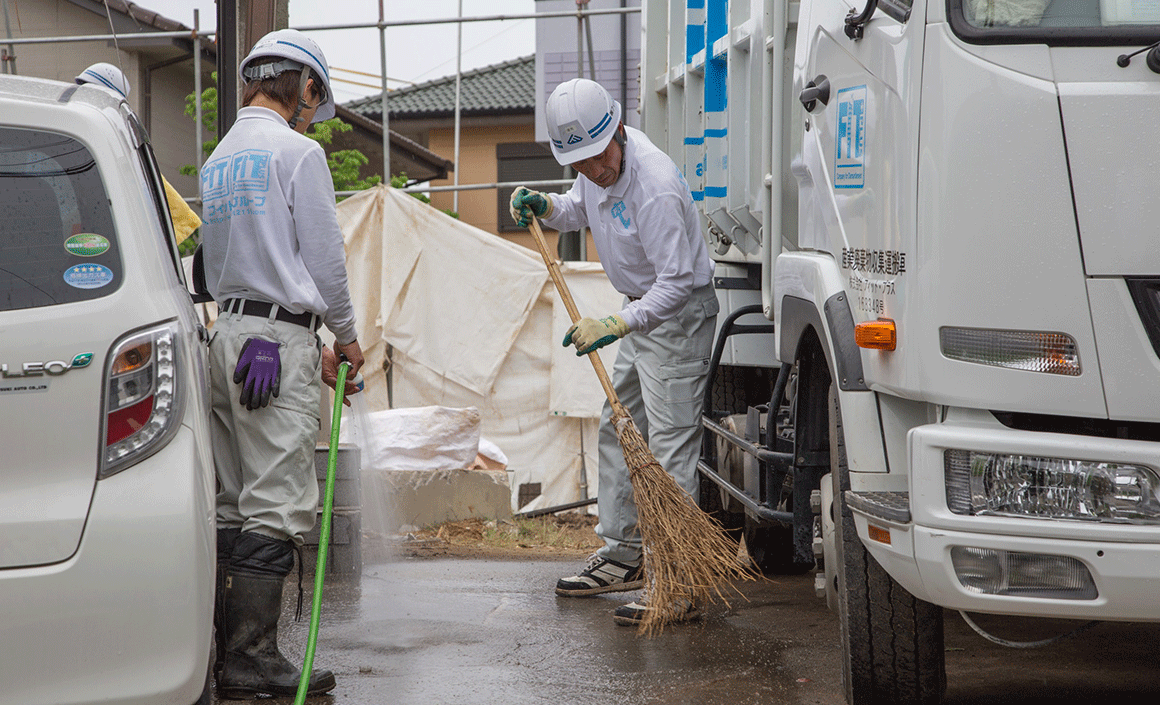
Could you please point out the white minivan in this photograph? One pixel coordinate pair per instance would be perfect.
(106, 476)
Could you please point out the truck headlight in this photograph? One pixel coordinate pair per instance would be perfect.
(1051, 488)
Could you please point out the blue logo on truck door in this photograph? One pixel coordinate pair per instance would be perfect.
(850, 138)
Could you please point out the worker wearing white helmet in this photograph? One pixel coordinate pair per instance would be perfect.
(105, 76)
(112, 80)
(274, 262)
(648, 236)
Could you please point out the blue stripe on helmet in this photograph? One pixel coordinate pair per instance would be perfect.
(594, 132)
(306, 51)
(101, 79)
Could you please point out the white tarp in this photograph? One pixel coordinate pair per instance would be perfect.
(475, 321)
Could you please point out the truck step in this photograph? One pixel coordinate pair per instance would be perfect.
(891, 506)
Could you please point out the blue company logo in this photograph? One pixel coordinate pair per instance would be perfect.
(618, 212)
(850, 139)
(574, 138)
(251, 170)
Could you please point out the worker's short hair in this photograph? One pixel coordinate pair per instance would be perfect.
(282, 89)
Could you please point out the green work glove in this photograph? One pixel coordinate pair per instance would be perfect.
(526, 202)
(590, 334)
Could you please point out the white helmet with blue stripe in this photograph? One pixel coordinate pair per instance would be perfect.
(582, 119)
(106, 76)
(299, 51)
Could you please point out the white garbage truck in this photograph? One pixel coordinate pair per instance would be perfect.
(938, 364)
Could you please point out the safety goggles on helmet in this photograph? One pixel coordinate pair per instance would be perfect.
(582, 119)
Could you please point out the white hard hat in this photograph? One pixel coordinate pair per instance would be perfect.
(301, 51)
(582, 118)
(105, 76)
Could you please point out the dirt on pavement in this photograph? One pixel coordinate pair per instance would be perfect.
(567, 536)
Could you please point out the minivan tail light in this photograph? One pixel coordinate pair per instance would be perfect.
(142, 397)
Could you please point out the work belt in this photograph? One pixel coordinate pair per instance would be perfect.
(247, 307)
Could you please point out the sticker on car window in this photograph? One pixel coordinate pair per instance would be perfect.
(88, 276)
(87, 244)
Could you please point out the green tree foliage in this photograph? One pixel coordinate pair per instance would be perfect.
(344, 163)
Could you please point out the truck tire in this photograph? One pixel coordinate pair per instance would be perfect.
(771, 549)
(892, 642)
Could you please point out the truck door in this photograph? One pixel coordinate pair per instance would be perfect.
(860, 144)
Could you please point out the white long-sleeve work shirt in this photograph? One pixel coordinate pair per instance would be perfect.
(646, 230)
(270, 230)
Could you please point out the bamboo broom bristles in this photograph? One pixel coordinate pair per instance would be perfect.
(687, 555)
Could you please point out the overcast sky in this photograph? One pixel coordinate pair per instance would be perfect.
(417, 54)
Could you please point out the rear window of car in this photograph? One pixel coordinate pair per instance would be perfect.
(58, 243)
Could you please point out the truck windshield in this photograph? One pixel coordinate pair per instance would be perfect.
(1073, 22)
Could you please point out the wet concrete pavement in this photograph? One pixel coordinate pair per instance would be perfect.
(437, 631)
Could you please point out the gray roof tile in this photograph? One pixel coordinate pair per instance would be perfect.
(499, 89)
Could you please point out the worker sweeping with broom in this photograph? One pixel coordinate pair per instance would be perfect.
(648, 236)
(275, 265)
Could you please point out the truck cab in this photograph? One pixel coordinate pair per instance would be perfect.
(938, 208)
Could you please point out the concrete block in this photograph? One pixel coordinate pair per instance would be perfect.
(347, 488)
(344, 552)
(397, 498)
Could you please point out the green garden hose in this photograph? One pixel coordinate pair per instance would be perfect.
(324, 534)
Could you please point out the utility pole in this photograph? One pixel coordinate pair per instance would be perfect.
(241, 23)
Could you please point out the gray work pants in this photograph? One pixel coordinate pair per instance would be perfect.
(265, 457)
(660, 377)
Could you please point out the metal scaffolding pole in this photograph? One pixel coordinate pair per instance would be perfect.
(197, 88)
(386, 121)
(458, 103)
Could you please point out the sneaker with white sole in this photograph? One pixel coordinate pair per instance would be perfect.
(633, 613)
(599, 576)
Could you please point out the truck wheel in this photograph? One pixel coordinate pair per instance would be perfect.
(892, 642)
(771, 549)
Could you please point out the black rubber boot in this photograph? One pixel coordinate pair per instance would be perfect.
(225, 549)
(253, 602)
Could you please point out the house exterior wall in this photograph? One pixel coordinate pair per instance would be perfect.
(477, 155)
(478, 166)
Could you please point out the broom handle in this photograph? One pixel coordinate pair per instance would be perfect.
(574, 314)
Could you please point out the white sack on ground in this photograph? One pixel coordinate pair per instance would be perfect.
(423, 438)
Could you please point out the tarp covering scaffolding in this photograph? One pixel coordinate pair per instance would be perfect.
(473, 321)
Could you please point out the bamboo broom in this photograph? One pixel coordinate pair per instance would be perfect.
(687, 555)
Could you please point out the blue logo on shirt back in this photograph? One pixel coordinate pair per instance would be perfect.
(251, 170)
(618, 212)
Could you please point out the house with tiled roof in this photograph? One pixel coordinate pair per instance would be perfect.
(497, 135)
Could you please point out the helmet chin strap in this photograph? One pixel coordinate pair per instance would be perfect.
(621, 140)
(302, 104)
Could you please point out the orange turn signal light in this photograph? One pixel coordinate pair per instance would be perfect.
(877, 533)
(876, 335)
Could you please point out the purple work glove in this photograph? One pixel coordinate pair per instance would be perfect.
(261, 368)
